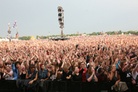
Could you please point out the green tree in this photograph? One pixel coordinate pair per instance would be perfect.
(25, 38)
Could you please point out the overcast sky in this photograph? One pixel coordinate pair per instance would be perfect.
(39, 17)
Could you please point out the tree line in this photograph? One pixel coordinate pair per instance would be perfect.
(90, 34)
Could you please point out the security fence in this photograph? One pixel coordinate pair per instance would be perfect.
(62, 86)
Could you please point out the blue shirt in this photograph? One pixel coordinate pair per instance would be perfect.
(42, 74)
(15, 72)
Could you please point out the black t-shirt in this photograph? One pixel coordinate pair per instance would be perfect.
(23, 76)
(123, 75)
(1, 75)
(64, 75)
(77, 77)
(32, 74)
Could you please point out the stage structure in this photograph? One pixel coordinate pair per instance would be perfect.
(61, 19)
(16, 28)
(61, 24)
(9, 32)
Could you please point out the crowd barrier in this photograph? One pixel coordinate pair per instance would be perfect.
(62, 86)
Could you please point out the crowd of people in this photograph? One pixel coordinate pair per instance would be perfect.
(84, 58)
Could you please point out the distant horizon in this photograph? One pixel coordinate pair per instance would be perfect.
(70, 34)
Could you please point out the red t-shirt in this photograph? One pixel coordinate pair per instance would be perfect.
(83, 73)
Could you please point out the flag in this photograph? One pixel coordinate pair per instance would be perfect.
(17, 35)
(15, 24)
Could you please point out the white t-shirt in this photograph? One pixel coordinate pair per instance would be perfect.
(134, 75)
(7, 76)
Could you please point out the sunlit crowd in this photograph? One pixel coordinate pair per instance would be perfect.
(102, 58)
